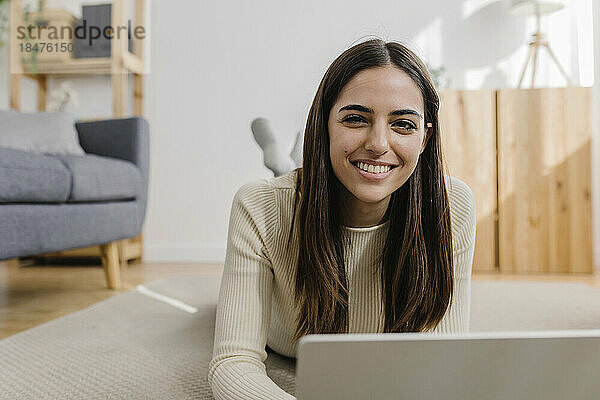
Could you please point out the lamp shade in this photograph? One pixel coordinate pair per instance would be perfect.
(532, 7)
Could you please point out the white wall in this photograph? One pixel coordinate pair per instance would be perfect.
(236, 63)
(216, 65)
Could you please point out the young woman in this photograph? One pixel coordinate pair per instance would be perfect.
(368, 236)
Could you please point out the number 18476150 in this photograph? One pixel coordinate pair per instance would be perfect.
(43, 47)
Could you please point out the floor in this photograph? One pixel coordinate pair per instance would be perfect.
(31, 294)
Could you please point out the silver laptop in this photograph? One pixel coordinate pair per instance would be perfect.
(527, 365)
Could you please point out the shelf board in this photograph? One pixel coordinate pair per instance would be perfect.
(74, 66)
(86, 66)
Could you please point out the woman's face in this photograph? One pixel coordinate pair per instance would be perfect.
(378, 119)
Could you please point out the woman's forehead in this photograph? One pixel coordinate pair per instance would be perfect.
(382, 87)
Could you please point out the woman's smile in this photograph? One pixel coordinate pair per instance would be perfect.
(371, 172)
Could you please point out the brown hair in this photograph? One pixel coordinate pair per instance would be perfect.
(417, 271)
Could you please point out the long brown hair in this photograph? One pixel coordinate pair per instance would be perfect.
(417, 271)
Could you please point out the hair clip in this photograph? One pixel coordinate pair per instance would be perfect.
(429, 125)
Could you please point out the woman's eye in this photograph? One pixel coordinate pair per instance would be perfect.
(353, 119)
(405, 125)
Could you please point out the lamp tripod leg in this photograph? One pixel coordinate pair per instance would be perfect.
(529, 54)
(535, 52)
(560, 68)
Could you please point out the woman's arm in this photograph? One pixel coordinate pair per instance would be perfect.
(237, 369)
(464, 222)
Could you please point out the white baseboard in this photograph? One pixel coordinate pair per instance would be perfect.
(167, 252)
(215, 254)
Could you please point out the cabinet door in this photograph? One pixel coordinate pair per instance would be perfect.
(468, 132)
(544, 180)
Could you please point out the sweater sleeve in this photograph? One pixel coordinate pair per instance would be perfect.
(464, 222)
(237, 369)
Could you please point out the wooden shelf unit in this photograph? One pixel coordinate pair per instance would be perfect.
(118, 66)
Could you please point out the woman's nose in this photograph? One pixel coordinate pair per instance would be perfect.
(377, 139)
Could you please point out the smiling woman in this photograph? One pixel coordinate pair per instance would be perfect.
(368, 236)
(380, 123)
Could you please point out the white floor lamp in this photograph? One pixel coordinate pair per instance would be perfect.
(537, 8)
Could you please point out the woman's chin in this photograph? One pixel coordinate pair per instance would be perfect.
(370, 197)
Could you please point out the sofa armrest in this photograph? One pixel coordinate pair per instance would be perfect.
(127, 139)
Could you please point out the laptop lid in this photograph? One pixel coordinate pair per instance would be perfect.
(532, 365)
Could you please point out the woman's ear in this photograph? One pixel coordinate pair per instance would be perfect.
(428, 132)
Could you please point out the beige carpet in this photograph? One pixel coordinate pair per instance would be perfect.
(133, 346)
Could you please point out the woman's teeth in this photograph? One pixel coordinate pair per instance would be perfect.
(373, 169)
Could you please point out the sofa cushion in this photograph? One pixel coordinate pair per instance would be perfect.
(97, 178)
(41, 132)
(32, 178)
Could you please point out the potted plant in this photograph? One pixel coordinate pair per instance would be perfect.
(29, 59)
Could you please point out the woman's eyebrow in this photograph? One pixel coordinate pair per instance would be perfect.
(406, 111)
(358, 107)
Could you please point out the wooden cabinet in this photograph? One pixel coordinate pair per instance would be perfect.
(468, 131)
(526, 154)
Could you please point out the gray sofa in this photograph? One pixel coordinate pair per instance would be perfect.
(58, 202)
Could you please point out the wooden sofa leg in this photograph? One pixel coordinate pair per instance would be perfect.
(110, 262)
(13, 263)
(122, 255)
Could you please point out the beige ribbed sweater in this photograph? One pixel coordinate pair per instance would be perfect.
(257, 289)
